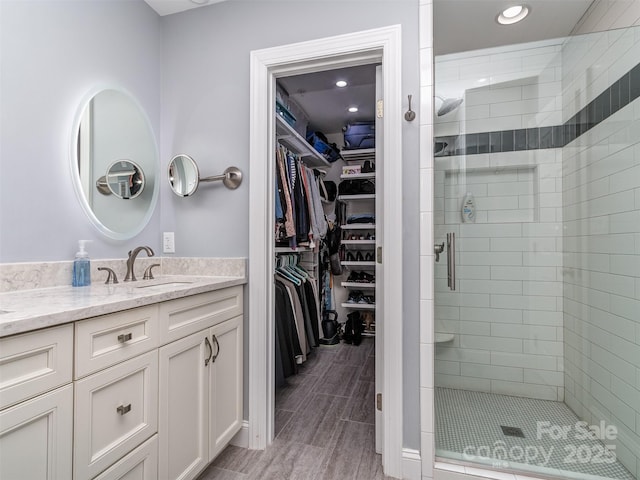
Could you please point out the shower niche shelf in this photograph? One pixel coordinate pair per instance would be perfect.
(503, 194)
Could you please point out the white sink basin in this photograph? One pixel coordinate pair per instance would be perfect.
(165, 284)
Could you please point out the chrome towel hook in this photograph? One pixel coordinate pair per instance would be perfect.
(410, 115)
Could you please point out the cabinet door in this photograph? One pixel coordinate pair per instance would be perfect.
(115, 410)
(226, 384)
(141, 464)
(36, 437)
(184, 414)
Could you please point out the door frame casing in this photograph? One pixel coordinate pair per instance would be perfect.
(358, 48)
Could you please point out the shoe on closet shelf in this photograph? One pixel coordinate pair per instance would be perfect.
(367, 277)
(355, 296)
(368, 167)
(368, 257)
(350, 257)
(359, 257)
(353, 277)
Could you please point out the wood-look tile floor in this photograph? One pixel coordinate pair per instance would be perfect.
(324, 424)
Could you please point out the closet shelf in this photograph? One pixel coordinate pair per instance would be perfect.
(359, 285)
(358, 226)
(348, 263)
(355, 176)
(292, 250)
(366, 196)
(358, 242)
(368, 333)
(358, 155)
(359, 306)
(294, 141)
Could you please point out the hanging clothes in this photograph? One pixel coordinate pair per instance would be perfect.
(297, 316)
(300, 218)
(286, 343)
(282, 180)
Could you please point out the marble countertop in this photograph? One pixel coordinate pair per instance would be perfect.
(26, 310)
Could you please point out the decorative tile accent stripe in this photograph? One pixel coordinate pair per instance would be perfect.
(624, 91)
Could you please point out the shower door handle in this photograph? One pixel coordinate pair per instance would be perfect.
(451, 260)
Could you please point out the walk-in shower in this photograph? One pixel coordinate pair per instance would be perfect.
(537, 320)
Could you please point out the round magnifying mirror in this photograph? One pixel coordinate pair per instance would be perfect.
(124, 179)
(183, 175)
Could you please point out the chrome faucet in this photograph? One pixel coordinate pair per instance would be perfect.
(131, 276)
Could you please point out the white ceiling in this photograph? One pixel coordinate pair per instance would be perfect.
(459, 25)
(462, 25)
(167, 7)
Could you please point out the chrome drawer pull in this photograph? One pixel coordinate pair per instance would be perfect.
(123, 409)
(208, 359)
(124, 337)
(215, 341)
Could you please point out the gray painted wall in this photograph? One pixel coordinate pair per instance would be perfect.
(205, 104)
(53, 53)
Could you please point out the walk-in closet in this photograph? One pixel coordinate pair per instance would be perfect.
(325, 262)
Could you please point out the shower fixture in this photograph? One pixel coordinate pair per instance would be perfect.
(448, 105)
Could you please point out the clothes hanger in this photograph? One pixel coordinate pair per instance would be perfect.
(292, 268)
(283, 272)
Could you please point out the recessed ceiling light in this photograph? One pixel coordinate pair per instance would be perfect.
(341, 83)
(353, 109)
(200, 2)
(512, 15)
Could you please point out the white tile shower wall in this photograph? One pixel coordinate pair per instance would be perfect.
(426, 114)
(608, 15)
(506, 311)
(601, 178)
(503, 88)
(589, 67)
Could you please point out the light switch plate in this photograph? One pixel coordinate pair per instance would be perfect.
(168, 242)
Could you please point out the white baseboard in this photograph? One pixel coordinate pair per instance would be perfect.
(411, 464)
(241, 439)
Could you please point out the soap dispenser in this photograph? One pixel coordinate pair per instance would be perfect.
(81, 266)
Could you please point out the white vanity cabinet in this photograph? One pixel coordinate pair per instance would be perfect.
(36, 397)
(150, 392)
(200, 384)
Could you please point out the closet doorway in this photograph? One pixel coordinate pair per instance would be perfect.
(379, 46)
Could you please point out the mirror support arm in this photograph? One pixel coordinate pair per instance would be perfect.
(232, 178)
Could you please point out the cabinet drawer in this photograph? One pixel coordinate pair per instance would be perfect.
(110, 339)
(115, 410)
(184, 316)
(141, 464)
(34, 363)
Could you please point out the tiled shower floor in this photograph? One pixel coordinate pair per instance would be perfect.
(468, 428)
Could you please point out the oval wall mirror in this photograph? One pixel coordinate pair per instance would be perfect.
(114, 158)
